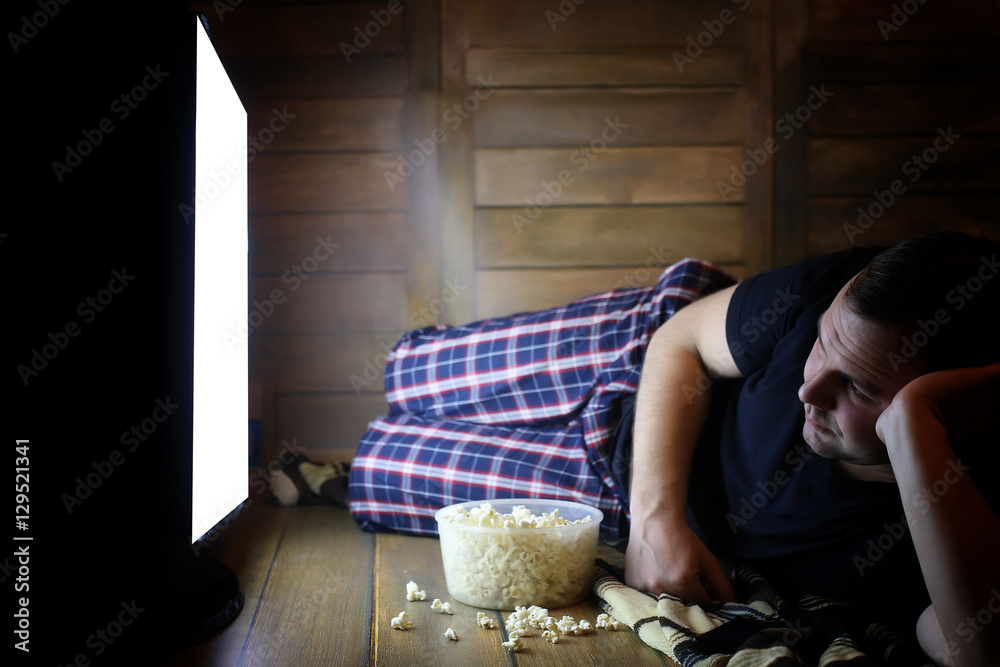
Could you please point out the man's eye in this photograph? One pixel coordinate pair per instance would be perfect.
(853, 388)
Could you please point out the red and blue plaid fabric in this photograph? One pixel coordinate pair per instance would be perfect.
(518, 406)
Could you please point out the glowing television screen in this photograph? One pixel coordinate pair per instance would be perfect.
(220, 409)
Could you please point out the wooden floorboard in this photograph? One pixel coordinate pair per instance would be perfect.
(316, 606)
(246, 544)
(320, 591)
(401, 559)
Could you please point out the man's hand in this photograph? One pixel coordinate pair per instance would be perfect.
(667, 557)
(962, 400)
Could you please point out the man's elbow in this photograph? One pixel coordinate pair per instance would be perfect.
(972, 645)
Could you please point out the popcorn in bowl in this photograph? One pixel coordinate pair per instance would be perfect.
(523, 551)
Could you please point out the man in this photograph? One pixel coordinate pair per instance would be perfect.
(858, 362)
(810, 393)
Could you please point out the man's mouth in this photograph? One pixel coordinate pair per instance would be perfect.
(815, 424)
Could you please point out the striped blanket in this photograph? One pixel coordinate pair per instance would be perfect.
(766, 631)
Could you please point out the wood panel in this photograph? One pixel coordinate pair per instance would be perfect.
(302, 77)
(328, 182)
(517, 118)
(908, 109)
(718, 66)
(332, 424)
(456, 188)
(609, 236)
(901, 62)
(364, 241)
(374, 124)
(601, 23)
(864, 20)
(504, 292)
(304, 29)
(328, 303)
(665, 175)
(835, 223)
(349, 363)
(866, 164)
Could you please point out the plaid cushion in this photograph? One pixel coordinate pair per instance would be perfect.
(518, 406)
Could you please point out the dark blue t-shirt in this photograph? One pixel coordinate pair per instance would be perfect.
(760, 495)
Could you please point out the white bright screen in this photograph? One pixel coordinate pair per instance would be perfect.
(220, 298)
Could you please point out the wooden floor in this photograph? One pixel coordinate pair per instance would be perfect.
(320, 591)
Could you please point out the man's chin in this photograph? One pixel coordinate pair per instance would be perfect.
(817, 442)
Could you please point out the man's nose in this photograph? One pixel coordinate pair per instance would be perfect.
(815, 390)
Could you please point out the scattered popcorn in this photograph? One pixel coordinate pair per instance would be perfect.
(514, 645)
(583, 627)
(441, 607)
(413, 592)
(566, 625)
(551, 636)
(450, 634)
(402, 622)
(485, 621)
(606, 622)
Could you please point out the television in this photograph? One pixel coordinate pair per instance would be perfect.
(124, 256)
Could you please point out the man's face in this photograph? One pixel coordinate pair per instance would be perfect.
(847, 383)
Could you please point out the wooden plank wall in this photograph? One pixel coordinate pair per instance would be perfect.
(901, 77)
(596, 155)
(473, 158)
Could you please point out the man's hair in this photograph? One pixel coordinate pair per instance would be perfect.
(941, 292)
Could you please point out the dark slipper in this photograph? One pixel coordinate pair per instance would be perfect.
(306, 494)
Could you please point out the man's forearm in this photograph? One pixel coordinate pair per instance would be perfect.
(955, 532)
(671, 406)
(663, 554)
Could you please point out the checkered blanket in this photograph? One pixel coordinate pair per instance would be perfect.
(518, 406)
(766, 631)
